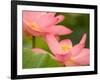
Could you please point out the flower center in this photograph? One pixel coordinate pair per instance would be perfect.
(32, 25)
(35, 26)
(65, 47)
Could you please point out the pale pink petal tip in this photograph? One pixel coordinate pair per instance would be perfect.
(83, 40)
(59, 18)
(39, 51)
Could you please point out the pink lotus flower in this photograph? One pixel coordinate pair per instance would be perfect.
(40, 23)
(65, 53)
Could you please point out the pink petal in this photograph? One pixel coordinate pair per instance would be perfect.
(83, 40)
(32, 32)
(57, 37)
(39, 51)
(46, 20)
(58, 30)
(59, 18)
(52, 14)
(62, 57)
(32, 16)
(66, 42)
(71, 63)
(84, 57)
(53, 44)
(76, 49)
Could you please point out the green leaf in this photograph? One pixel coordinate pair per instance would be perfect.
(40, 43)
(33, 60)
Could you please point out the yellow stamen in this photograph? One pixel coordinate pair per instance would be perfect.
(32, 25)
(35, 27)
(65, 47)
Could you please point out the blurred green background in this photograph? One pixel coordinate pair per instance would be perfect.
(79, 23)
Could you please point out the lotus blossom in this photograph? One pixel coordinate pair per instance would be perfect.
(40, 23)
(64, 52)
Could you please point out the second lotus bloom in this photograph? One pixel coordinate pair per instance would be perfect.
(65, 53)
(40, 23)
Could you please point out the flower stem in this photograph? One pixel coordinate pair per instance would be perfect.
(33, 42)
